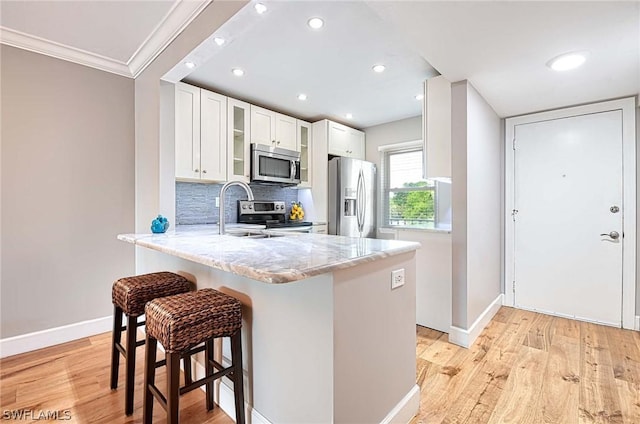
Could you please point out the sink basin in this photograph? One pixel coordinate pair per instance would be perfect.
(254, 234)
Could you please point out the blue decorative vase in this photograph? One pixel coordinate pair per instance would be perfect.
(159, 225)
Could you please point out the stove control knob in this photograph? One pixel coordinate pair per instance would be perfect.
(244, 206)
(250, 206)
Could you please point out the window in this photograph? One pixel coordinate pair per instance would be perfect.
(408, 200)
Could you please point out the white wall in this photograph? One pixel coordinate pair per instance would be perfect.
(67, 190)
(433, 264)
(476, 198)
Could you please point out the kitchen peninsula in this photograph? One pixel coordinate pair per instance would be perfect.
(325, 338)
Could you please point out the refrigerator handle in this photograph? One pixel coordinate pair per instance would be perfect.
(360, 207)
(364, 201)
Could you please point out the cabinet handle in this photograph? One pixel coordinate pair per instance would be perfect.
(278, 142)
(273, 141)
(196, 170)
(204, 171)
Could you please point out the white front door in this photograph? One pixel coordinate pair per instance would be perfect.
(569, 211)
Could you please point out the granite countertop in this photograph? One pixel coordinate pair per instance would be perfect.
(292, 257)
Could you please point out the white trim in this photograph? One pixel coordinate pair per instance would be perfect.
(175, 21)
(181, 14)
(465, 338)
(35, 44)
(636, 324)
(399, 146)
(406, 409)
(53, 336)
(627, 105)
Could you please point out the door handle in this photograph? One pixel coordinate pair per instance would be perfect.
(613, 234)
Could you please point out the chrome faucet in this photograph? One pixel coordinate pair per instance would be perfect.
(223, 190)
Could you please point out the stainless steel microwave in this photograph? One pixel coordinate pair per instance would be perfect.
(273, 165)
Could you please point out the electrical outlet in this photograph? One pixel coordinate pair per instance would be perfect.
(217, 202)
(397, 278)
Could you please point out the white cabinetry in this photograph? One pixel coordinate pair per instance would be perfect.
(304, 147)
(345, 141)
(200, 134)
(272, 128)
(436, 132)
(238, 140)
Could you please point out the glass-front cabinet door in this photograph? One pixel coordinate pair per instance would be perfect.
(238, 147)
(304, 147)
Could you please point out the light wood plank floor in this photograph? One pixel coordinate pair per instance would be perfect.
(530, 368)
(524, 368)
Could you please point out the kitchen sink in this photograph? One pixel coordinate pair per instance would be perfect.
(254, 234)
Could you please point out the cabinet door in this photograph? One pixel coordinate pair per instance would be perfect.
(303, 145)
(187, 136)
(263, 129)
(213, 136)
(286, 132)
(338, 139)
(356, 146)
(238, 140)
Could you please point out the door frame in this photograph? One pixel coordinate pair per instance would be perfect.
(627, 106)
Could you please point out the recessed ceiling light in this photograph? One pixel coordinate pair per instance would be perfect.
(190, 65)
(302, 96)
(567, 61)
(237, 72)
(348, 116)
(378, 68)
(419, 96)
(315, 23)
(219, 41)
(260, 8)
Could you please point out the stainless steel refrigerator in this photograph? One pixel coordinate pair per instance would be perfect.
(352, 197)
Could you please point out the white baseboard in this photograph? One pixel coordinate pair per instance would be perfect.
(636, 323)
(53, 336)
(465, 338)
(406, 409)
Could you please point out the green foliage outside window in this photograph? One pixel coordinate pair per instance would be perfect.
(412, 205)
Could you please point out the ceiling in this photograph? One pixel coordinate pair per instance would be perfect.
(122, 37)
(283, 57)
(500, 47)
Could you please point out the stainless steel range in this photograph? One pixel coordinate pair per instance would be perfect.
(273, 214)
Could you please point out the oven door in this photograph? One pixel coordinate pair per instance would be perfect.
(274, 167)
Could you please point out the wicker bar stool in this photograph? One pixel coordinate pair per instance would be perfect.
(129, 295)
(180, 323)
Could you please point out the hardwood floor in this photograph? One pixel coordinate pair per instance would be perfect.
(524, 368)
(74, 377)
(530, 368)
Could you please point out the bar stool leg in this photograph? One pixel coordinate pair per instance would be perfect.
(149, 378)
(173, 387)
(187, 370)
(130, 359)
(238, 383)
(115, 340)
(209, 370)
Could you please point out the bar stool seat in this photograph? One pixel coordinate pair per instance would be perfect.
(129, 296)
(181, 323)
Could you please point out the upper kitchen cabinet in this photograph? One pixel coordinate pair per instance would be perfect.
(304, 147)
(273, 129)
(239, 140)
(345, 141)
(200, 134)
(436, 132)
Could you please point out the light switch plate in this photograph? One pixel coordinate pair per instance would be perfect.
(397, 278)
(217, 202)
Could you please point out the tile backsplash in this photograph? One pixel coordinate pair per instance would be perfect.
(196, 202)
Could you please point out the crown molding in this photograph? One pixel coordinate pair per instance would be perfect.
(181, 14)
(35, 44)
(177, 19)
